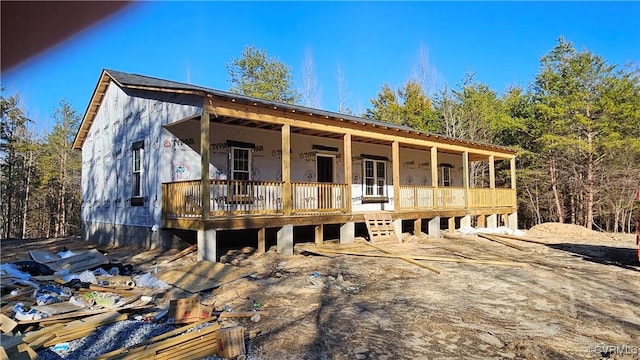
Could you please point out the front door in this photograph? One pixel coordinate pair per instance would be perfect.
(325, 165)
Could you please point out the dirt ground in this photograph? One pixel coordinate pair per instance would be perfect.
(575, 297)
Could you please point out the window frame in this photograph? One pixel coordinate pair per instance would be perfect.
(446, 176)
(137, 173)
(379, 186)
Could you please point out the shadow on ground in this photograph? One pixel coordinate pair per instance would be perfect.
(626, 258)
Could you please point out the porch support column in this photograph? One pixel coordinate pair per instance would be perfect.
(492, 221)
(319, 234)
(434, 181)
(465, 221)
(286, 173)
(395, 163)
(417, 227)
(434, 227)
(204, 167)
(492, 172)
(262, 240)
(348, 233)
(285, 240)
(513, 221)
(397, 228)
(492, 182)
(513, 217)
(348, 172)
(482, 221)
(512, 165)
(207, 245)
(451, 224)
(465, 178)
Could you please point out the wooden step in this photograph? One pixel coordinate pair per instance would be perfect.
(380, 227)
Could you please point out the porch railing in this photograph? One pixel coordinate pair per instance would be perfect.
(237, 197)
(318, 197)
(246, 197)
(426, 197)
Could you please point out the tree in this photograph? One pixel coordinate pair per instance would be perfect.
(255, 74)
(310, 91)
(585, 111)
(61, 175)
(408, 106)
(14, 169)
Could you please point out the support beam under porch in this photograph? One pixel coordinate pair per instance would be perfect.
(207, 245)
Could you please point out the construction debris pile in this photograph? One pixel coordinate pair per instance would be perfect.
(81, 305)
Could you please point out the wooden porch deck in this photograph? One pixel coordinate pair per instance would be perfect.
(238, 204)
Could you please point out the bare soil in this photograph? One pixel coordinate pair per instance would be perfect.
(577, 297)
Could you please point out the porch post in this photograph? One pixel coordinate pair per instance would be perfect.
(284, 239)
(286, 170)
(319, 234)
(348, 233)
(434, 179)
(207, 245)
(204, 166)
(434, 227)
(262, 241)
(417, 227)
(512, 164)
(395, 163)
(513, 217)
(492, 181)
(346, 162)
(465, 178)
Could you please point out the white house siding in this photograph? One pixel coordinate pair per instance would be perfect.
(124, 118)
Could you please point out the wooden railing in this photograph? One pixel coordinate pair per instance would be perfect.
(426, 197)
(416, 197)
(318, 197)
(236, 197)
(484, 198)
(246, 197)
(183, 198)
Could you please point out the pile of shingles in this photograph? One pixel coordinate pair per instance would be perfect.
(203, 336)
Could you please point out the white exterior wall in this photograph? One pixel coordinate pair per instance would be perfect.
(124, 118)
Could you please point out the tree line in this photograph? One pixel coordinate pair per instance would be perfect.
(576, 127)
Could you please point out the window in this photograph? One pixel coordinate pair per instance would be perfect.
(374, 178)
(137, 171)
(446, 176)
(240, 170)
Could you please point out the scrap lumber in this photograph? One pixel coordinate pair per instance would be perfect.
(520, 238)
(415, 257)
(7, 324)
(131, 349)
(184, 252)
(380, 228)
(407, 259)
(152, 350)
(500, 241)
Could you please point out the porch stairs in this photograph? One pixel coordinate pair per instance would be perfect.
(380, 228)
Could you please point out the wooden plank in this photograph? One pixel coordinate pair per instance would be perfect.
(407, 259)
(503, 242)
(203, 275)
(395, 169)
(520, 238)
(348, 172)
(154, 348)
(451, 224)
(327, 252)
(286, 169)
(132, 349)
(7, 324)
(184, 252)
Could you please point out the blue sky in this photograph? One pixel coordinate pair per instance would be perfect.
(373, 42)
